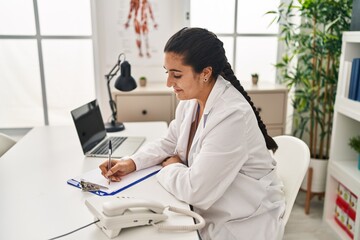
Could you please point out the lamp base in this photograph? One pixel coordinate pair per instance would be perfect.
(114, 127)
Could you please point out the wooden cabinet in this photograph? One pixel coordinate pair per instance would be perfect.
(271, 102)
(343, 174)
(156, 102)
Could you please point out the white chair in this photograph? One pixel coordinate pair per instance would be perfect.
(293, 158)
(6, 143)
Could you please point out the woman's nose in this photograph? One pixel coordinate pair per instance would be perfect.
(169, 82)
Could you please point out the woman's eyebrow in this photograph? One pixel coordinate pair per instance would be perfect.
(172, 69)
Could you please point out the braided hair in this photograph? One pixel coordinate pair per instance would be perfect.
(201, 48)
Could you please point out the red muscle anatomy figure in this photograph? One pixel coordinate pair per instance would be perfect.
(141, 23)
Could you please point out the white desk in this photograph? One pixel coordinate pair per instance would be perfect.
(37, 203)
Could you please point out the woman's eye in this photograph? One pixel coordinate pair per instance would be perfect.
(172, 74)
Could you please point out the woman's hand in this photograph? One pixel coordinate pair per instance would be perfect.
(171, 160)
(118, 169)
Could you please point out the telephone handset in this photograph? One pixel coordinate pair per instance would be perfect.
(113, 208)
(118, 212)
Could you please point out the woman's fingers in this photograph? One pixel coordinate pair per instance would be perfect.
(118, 169)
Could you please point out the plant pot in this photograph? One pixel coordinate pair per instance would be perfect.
(318, 182)
(142, 82)
(254, 80)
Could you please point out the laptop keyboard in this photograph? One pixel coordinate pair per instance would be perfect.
(104, 147)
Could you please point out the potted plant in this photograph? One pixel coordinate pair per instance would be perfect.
(142, 81)
(354, 143)
(254, 78)
(309, 67)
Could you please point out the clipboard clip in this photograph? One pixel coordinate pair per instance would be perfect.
(89, 186)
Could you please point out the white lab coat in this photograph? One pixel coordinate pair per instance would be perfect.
(230, 176)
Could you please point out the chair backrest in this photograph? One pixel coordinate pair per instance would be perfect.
(293, 158)
(6, 143)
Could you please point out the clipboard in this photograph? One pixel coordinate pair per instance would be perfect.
(95, 177)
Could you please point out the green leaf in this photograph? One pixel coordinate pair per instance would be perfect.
(310, 63)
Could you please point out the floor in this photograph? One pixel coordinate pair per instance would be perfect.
(309, 227)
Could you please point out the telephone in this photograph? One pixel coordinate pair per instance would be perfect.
(117, 212)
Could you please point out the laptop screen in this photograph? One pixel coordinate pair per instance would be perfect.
(89, 125)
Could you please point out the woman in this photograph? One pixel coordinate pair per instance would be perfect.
(215, 155)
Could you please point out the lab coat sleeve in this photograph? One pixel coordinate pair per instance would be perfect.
(155, 152)
(223, 151)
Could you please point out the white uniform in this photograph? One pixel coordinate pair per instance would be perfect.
(229, 176)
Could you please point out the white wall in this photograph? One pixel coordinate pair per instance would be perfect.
(102, 32)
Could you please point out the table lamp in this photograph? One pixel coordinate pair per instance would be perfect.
(125, 82)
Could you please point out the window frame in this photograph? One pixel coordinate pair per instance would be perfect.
(38, 37)
(235, 35)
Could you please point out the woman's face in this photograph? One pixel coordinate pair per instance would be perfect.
(185, 82)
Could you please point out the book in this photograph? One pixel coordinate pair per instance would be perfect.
(354, 87)
(346, 73)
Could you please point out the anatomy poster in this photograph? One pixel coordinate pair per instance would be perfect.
(138, 28)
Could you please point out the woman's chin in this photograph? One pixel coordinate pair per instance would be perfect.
(180, 95)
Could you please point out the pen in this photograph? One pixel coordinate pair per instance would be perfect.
(109, 162)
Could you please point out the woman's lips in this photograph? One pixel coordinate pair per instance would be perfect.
(176, 90)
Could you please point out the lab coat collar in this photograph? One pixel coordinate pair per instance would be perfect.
(220, 86)
(185, 125)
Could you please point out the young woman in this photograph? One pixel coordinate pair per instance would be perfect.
(215, 155)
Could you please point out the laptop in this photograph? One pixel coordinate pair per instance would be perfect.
(92, 134)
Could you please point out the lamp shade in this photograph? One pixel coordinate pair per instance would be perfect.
(125, 82)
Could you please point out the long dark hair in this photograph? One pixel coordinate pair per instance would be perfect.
(201, 48)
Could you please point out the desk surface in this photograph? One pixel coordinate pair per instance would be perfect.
(37, 203)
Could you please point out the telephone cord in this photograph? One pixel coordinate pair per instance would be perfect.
(63, 235)
(199, 225)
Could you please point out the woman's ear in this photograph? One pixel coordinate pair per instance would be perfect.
(206, 73)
